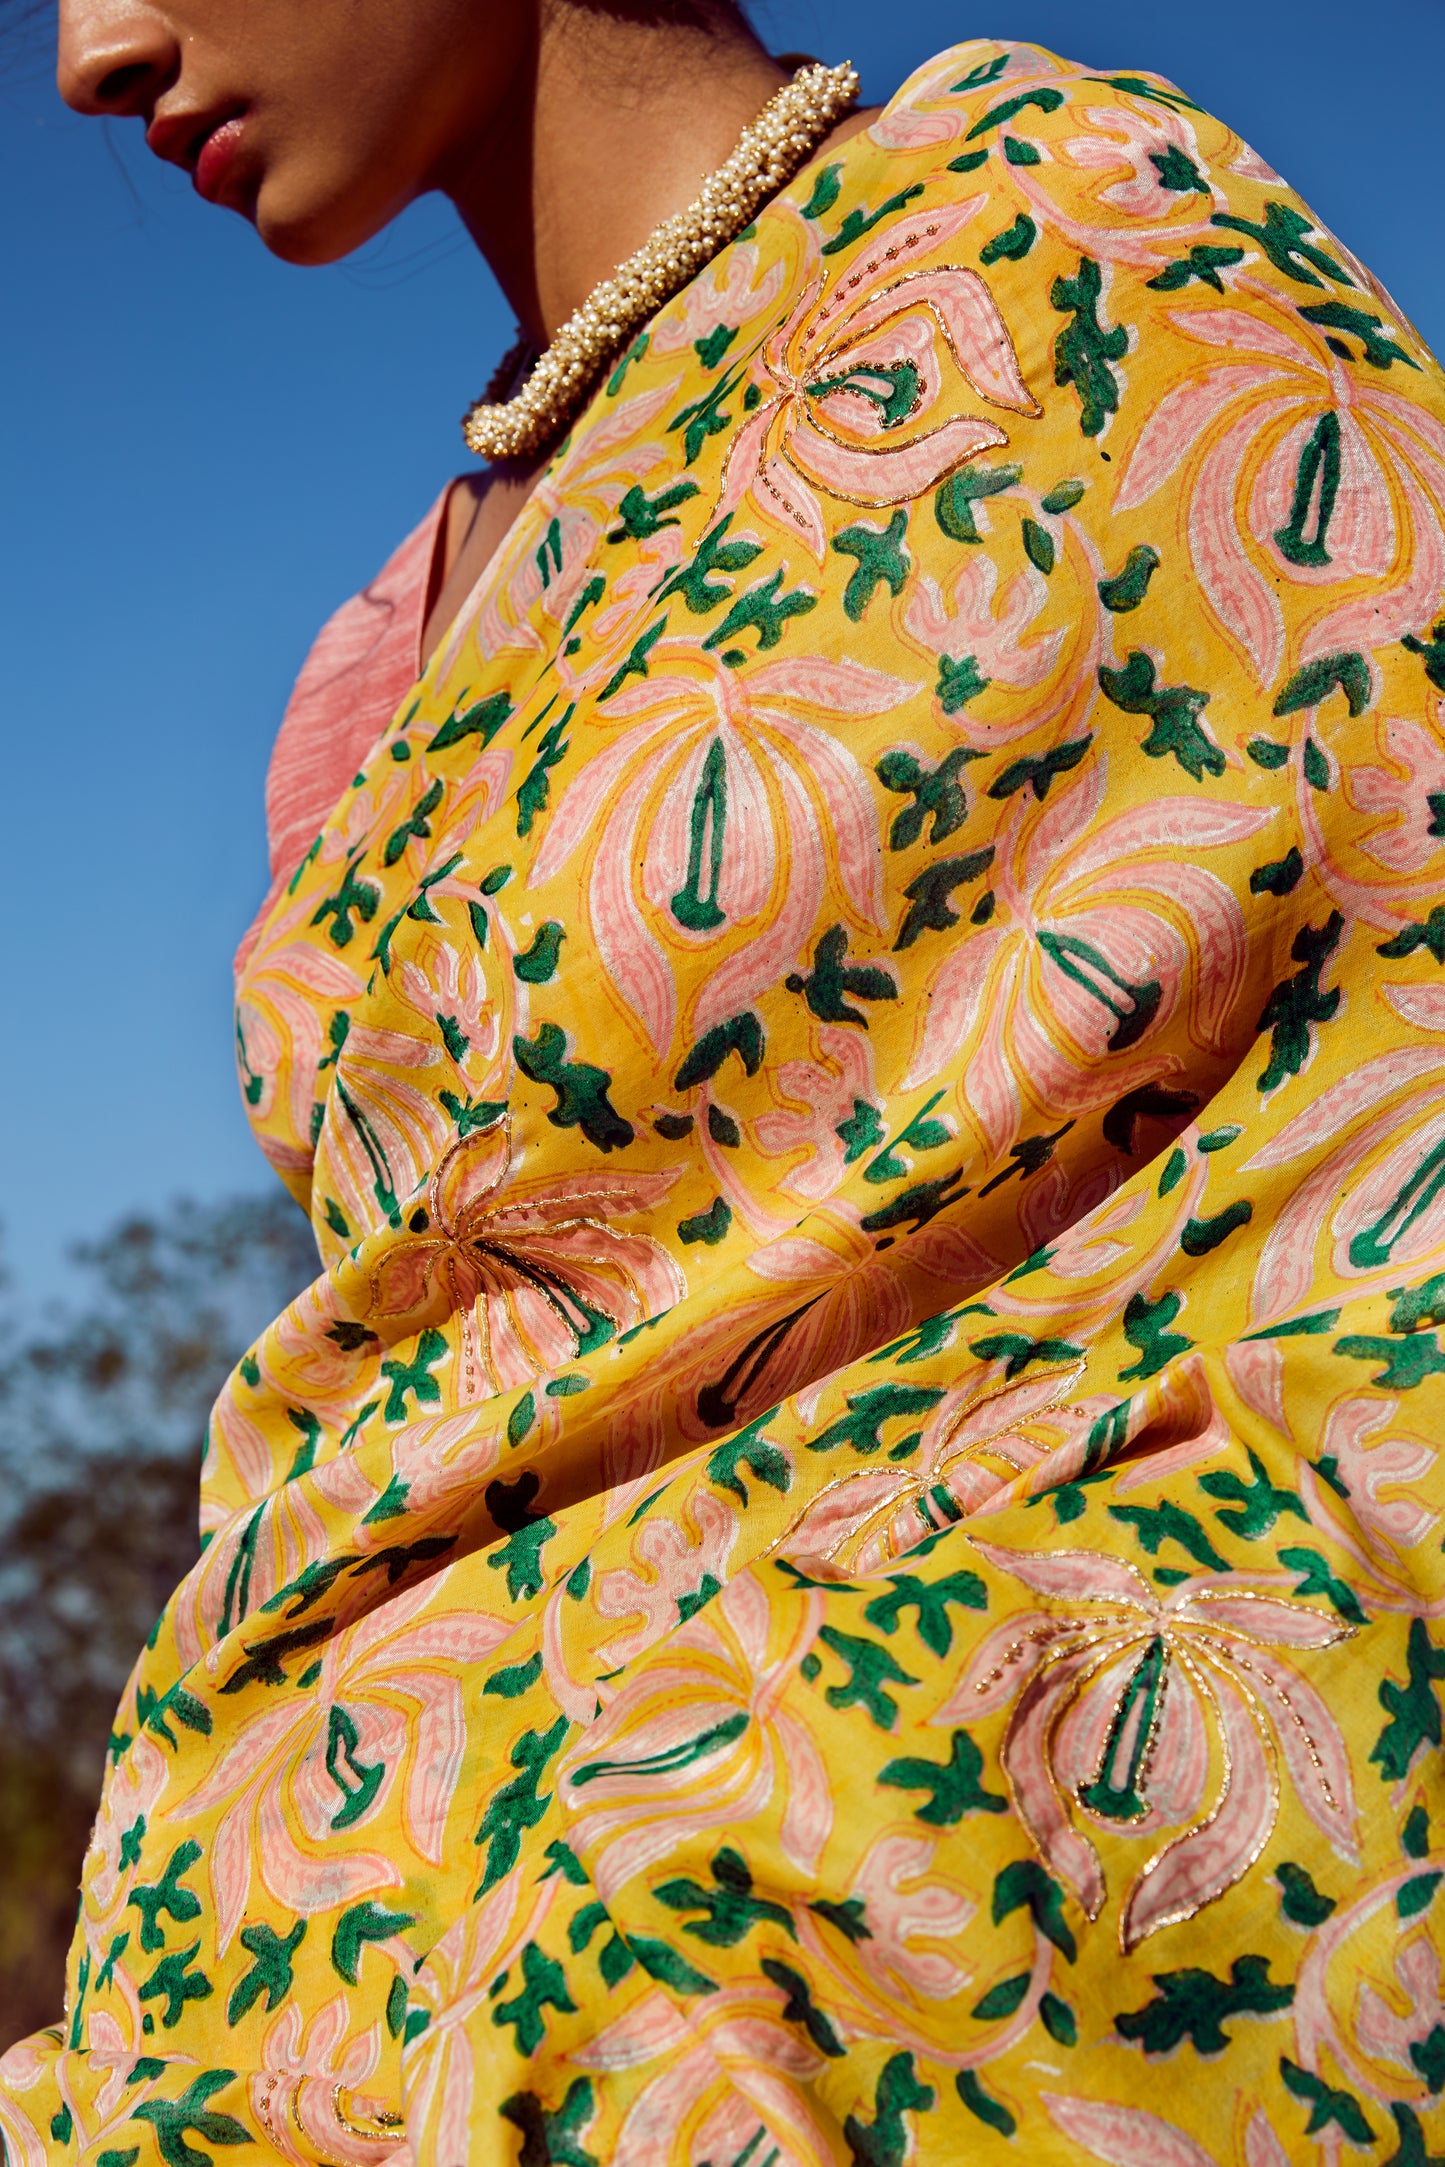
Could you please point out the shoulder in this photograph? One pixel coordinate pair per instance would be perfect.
(1126, 242)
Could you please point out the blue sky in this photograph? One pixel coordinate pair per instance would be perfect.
(204, 451)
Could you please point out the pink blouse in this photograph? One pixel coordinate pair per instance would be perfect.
(361, 666)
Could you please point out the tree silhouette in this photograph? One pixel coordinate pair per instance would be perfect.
(103, 1410)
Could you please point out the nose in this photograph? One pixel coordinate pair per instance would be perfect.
(114, 57)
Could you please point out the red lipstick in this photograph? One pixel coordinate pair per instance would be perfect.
(214, 172)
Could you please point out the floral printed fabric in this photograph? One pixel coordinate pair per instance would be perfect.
(844, 1563)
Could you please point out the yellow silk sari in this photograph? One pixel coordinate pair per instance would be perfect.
(843, 1564)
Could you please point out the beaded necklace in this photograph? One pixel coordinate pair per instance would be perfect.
(508, 423)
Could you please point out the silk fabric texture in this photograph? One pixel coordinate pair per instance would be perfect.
(843, 1563)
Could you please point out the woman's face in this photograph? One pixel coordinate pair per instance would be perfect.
(317, 119)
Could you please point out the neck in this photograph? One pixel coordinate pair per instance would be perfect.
(615, 124)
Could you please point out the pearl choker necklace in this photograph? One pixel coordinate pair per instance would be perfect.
(554, 384)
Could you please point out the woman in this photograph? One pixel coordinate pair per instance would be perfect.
(843, 1562)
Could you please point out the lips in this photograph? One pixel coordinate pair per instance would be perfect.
(208, 147)
(215, 166)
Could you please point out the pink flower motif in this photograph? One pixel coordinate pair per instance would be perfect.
(1103, 936)
(903, 1908)
(1401, 794)
(861, 387)
(972, 1445)
(706, 815)
(545, 558)
(97, 2088)
(674, 1565)
(23, 2067)
(697, 1742)
(447, 986)
(1382, 2032)
(727, 2065)
(440, 2065)
(832, 1297)
(729, 292)
(1133, 2137)
(381, 1736)
(305, 2092)
(279, 1039)
(977, 625)
(1115, 1693)
(826, 1099)
(1133, 133)
(1302, 468)
(130, 1796)
(536, 1272)
(1366, 1191)
(382, 1128)
(1374, 1467)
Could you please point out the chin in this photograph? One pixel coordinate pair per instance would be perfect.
(312, 231)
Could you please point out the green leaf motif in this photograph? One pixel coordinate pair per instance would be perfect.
(270, 1973)
(767, 1462)
(1413, 1708)
(833, 976)
(1300, 1901)
(1085, 350)
(1378, 350)
(174, 1982)
(954, 499)
(1178, 172)
(1200, 1236)
(1002, 2000)
(1026, 1886)
(1129, 587)
(668, 1967)
(166, 1898)
(741, 1034)
(858, 221)
(929, 892)
(883, 560)
(1429, 934)
(1157, 1524)
(710, 1226)
(861, 1428)
(990, 2111)
(173, 2121)
(1194, 2005)
(1038, 546)
(1329, 2107)
(553, 2139)
(1174, 711)
(954, 1786)
(1299, 1004)
(1347, 672)
(1320, 1579)
(1013, 244)
(544, 1986)
(360, 1924)
(1417, 1894)
(871, 1670)
(517, 1806)
(937, 793)
(826, 190)
(581, 1089)
(1046, 99)
(1202, 262)
(885, 2142)
(536, 965)
(730, 1909)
